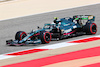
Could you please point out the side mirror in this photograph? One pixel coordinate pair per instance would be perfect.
(38, 27)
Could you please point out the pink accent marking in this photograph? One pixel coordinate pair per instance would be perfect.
(69, 32)
(85, 40)
(27, 52)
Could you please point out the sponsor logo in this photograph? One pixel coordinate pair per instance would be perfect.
(66, 31)
(90, 17)
(66, 24)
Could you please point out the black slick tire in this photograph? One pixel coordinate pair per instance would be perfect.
(45, 37)
(20, 35)
(90, 28)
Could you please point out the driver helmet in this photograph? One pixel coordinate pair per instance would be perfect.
(55, 18)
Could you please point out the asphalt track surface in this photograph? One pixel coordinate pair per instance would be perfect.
(8, 28)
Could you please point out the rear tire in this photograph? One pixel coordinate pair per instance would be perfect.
(90, 28)
(45, 37)
(20, 35)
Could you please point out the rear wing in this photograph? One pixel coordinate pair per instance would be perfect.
(84, 17)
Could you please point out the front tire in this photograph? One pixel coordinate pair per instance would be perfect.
(20, 35)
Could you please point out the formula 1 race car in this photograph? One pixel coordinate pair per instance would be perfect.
(59, 29)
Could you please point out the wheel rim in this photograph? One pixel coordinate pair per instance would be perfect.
(47, 37)
(94, 28)
(23, 35)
